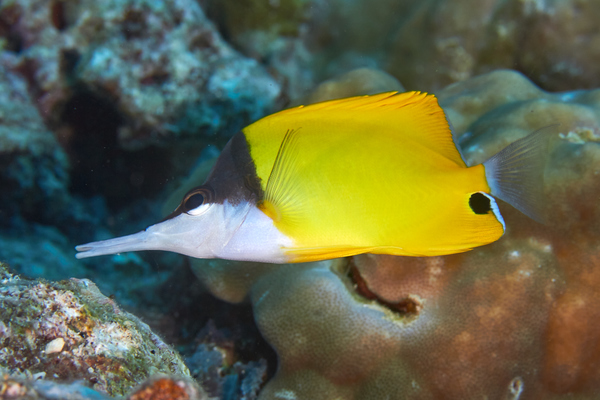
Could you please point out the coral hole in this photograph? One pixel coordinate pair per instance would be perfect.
(408, 306)
(515, 388)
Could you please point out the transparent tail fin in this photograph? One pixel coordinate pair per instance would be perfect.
(515, 174)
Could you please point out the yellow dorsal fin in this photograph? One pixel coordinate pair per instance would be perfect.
(415, 115)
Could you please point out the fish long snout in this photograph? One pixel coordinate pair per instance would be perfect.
(134, 242)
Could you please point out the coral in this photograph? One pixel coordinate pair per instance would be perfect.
(447, 41)
(33, 167)
(114, 81)
(514, 319)
(19, 388)
(156, 388)
(304, 42)
(132, 89)
(211, 366)
(272, 32)
(39, 214)
(357, 82)
(69, 330)
(284, 18)
(427, 45)
(164, 388)
(162, 65)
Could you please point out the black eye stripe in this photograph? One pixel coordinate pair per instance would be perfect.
(194, 200)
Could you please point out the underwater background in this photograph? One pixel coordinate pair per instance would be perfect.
(111, 110)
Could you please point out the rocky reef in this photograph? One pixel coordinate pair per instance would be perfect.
(109, 110)
(69, 331)
(427, 44)
(150, 59)
(157, 388)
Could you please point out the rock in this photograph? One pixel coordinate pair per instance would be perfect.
(211, 366)
(156, 388)
(19, 388)
(447, 41)
(163, 387)
(33, 166)
(160, 69)
(69, 330)
(142, 84)
(427, 45)
(358, 82)
(304, 42)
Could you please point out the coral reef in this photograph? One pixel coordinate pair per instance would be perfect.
(165, 388)
(69, 330)
(137, 87)
(40, 216)
(357, 82)
(156, 388)
(514, 319)
(448, 41)
(59, 123)
(211, 366)
(162, 66)
(304, 42)
(427, 45)
(103, 105)
(33, 166)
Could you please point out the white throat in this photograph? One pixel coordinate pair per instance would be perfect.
(241, 232)
(255, 239)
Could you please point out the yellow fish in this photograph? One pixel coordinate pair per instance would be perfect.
(370, 174)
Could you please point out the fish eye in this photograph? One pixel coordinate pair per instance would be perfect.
(193, 201)
(197, 201)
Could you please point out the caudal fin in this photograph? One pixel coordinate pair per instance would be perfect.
(515, 174)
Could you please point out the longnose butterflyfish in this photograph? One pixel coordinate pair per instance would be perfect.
(369, 174)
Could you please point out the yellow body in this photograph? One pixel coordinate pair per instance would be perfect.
(378, 174)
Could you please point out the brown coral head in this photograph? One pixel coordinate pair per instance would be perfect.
(409, 305)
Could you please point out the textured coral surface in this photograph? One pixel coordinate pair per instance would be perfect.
(30, 156)
(70, 331)
(150, 58)
(160, 387)
(426, 44)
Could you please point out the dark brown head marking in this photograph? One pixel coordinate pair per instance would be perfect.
(233, 178)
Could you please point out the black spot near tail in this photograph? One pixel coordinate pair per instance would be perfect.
(480, 203)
